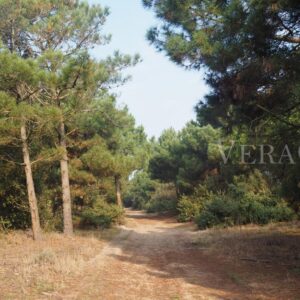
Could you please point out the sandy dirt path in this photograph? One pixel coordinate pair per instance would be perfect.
(154, 258)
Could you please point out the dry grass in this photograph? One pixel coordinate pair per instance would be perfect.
(276, 244)
(31, 270)
(263, 258)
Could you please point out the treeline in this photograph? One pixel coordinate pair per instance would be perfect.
(250, 51)
(66, 148)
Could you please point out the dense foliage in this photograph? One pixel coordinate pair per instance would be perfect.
(68, 152)
(59, 120)
(250, 53)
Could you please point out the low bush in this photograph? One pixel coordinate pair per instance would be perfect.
(101, 214)
(238, 207)
(188, 208)
(191, 206)
(139, 192)
(160, 205)
(4, 225)
(164, 199)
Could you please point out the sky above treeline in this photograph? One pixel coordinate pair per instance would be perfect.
(160, 94)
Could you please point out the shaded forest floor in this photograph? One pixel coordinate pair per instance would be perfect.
(154, 257)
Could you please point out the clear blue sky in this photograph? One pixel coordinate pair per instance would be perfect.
(160, 94)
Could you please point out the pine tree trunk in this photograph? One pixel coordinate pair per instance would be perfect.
(35, 220)
(118, 190)
(66, 193)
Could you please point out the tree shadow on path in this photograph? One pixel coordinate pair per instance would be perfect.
(164, 250)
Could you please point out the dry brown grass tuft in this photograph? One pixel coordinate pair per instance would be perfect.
(277, 244)
(29, 269)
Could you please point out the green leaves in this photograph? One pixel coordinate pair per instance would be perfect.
(250, 53)
(48, 76)
(186, 157)
(19, 77)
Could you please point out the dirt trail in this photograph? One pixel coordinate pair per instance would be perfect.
(154, 258)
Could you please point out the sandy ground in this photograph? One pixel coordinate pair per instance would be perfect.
(155, 258)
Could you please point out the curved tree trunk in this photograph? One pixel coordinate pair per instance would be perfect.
(66, 193)
(118, 190)
(35, 220)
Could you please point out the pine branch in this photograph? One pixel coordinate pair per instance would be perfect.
(289, 39)
(295, 126)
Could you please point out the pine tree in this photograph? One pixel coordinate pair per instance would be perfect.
(20, 80)
(59, 36)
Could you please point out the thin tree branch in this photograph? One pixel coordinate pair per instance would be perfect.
(296, 126)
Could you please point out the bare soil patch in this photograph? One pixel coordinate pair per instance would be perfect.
(154, 257)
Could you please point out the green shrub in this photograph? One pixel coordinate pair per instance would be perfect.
(206, 219)
(4, 224)
(164, 199)
(238, 207)
(101, 214)
(190, 206)
(160, 205)
(50, 210)
(139, 191)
